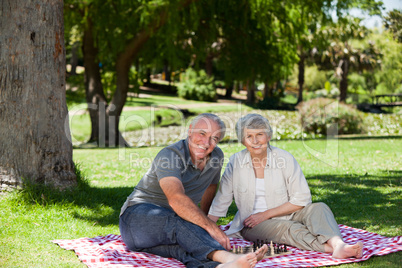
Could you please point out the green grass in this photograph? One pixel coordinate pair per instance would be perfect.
(361, 183)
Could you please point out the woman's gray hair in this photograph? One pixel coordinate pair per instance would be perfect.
(252, 121)
(212, 117)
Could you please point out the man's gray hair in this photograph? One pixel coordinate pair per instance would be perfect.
(252, 121)
(212, 117)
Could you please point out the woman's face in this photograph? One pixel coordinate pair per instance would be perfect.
(256, 141)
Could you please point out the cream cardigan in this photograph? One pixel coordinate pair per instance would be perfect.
(284, 182)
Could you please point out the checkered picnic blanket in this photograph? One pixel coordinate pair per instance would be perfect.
(110, 251)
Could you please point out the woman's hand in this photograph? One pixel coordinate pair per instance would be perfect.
(255, 219)
(284, 209)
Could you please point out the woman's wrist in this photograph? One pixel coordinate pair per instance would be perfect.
(267, 214)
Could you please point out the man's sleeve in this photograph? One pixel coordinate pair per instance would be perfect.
(168, 164)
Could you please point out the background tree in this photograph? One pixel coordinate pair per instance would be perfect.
(341, 56)
(317, 17)
(114, 35)
(393, 22)
(256, 46)
(35, 142)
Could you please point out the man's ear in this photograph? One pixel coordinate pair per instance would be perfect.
(189, 130)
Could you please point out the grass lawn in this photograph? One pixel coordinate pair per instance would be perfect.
(361, 182)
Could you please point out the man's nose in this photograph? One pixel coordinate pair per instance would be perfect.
(207, 141)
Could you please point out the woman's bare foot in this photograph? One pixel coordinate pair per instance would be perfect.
(241, 261)
(343, 250)
(261, 252)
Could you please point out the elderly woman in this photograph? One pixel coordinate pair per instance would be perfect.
(273, 197)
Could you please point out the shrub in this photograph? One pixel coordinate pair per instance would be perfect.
(322, 116)
(197, 86)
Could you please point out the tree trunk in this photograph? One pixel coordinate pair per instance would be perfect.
(301, 77)
(105, 119)
(209, 64)
(74, 58)
(148, 76)
(343, 88)
(229, 90)
(96, 99)
(250, 92)
(267, 93)
(35, 141)
(166, 70)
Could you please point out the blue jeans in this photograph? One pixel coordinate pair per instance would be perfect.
(158, 230)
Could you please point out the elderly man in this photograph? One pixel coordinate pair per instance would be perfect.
(161, 215)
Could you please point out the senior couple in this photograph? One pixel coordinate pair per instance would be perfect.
(173, 210)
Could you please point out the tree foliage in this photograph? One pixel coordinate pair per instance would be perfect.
(341, 56)
(247, 40)
(393, 23)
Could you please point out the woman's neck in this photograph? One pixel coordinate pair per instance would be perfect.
(259, 160)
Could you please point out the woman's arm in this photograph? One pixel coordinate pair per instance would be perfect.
(282, 210)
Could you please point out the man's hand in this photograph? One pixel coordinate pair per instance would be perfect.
(221, 237)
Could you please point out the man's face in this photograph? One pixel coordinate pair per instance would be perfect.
(203, 138)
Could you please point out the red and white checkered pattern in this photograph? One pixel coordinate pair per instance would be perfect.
(110, 251)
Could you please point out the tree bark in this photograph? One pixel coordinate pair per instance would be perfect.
(96, 99)
(229, 90)
(301, 76)
(35, 141)
(74, 58)
(267, 93)
(167, 72)
(209, 64)
(250, 92)
(343, 88)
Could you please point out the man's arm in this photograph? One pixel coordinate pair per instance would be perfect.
(207, 198)
(187, 210)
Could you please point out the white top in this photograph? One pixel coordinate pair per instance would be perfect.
(260, 205)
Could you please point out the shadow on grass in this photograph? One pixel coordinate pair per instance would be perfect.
(96, 205)
(361, 200)
(356, 200)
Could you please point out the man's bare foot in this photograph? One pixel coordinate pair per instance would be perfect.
(241, 261)
(343, 251)
(261, 252)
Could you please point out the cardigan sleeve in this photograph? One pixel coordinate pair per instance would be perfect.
(298, 190)
(224, 196)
